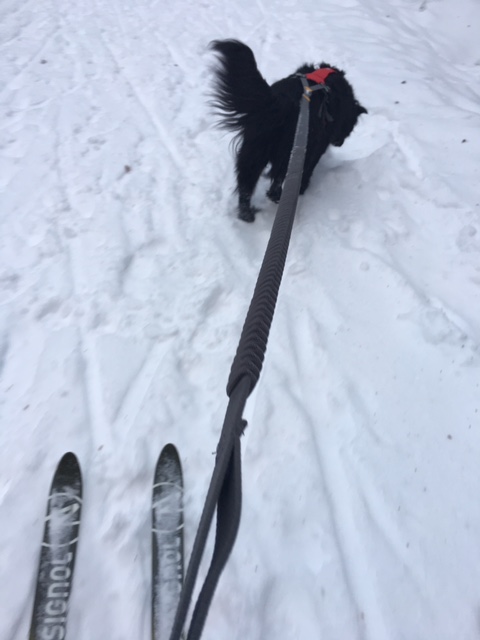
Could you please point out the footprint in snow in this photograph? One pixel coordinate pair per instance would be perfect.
(468, 239)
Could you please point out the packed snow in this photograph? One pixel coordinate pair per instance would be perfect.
(124, 282)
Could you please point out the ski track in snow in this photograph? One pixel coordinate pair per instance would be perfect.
(125, 279)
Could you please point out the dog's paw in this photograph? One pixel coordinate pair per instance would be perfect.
(247, 214)
(303, 188)
(275, 193)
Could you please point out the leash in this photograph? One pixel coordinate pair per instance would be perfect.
(225, 491)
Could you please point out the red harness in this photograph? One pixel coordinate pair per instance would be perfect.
(320, 75)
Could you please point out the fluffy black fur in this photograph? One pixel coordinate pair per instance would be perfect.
(265, 119)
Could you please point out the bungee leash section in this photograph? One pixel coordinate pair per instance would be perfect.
(225, 490)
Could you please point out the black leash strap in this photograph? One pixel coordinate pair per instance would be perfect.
(225, 490)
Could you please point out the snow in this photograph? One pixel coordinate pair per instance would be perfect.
(125, 278)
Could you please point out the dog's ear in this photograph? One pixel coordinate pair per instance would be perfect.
(360, 109)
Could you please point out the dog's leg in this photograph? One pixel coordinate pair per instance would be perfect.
(275, 191)
(312, 157)
(278, 171)
(251, 160)
(307, 174)
(246, 211)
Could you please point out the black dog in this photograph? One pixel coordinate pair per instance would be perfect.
(265, 118)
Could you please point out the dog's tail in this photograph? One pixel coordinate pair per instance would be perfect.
(240, 92)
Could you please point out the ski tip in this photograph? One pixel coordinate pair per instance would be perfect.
(68, 466)
(169, 451)
(69, 459)
(169, 455)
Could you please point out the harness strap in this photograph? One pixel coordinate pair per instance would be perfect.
(323, 112)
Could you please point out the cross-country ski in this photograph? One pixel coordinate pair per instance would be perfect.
(58, 551)
(167, 541)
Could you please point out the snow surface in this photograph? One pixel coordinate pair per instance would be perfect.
(125, 278)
